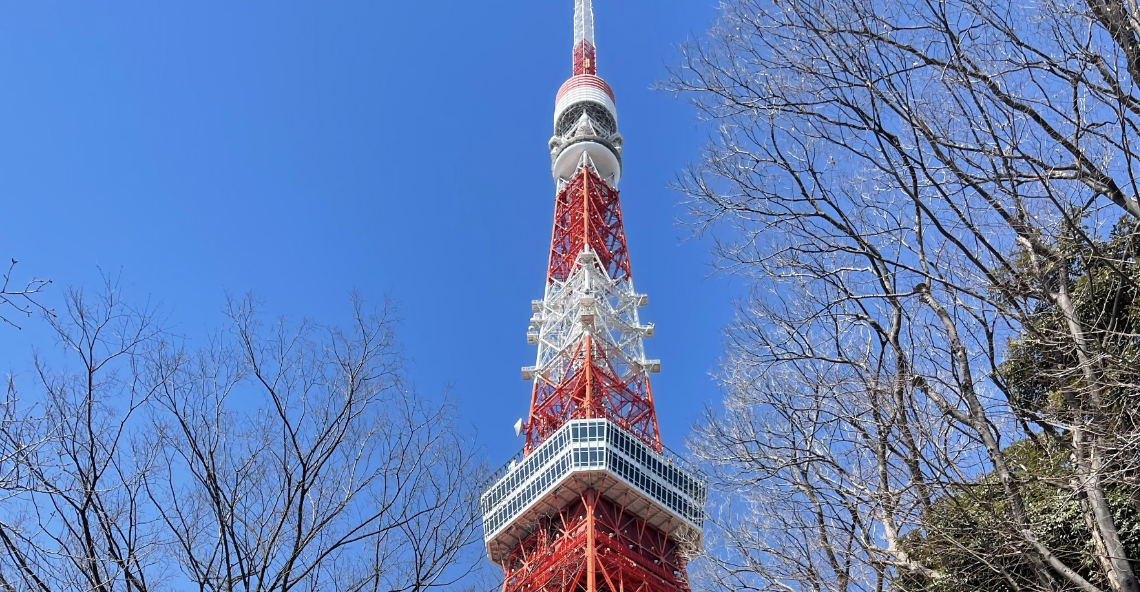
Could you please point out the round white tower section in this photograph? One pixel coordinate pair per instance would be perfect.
(598, 156)
(585, 130)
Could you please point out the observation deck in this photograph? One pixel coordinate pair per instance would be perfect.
(592, 454)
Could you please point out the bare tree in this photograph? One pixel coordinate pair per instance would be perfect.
(280, 457)
(20, 298)
(75, 517)
(909, 184)
(333, 476)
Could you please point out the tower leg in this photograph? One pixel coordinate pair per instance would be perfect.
(591, 499)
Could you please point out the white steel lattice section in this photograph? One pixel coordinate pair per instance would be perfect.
(590, 302)
(583, 21)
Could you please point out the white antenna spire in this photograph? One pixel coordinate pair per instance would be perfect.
(583, 22)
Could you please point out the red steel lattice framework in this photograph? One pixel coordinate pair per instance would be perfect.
(587, 214)
(594, 542)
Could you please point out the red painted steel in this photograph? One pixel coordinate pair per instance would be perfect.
(587, 214)
(595, 544)
(585, 58)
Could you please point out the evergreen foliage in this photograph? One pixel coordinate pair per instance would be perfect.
(962, 540)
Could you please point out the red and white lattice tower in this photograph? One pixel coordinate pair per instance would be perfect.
(594, 502)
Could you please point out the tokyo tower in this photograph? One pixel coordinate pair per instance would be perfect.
(594, 502)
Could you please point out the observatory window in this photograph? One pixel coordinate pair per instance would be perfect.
(590, 445)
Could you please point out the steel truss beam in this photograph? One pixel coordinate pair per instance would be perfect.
(587, 213)
(595, 545)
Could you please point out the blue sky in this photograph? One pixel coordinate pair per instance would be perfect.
(305, 149)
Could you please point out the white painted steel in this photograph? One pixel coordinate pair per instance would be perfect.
(583, 21)
(604, 162)
(593, 453)
(590, 302)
